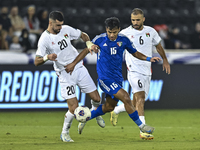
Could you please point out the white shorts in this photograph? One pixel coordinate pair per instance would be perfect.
(139, 82)
(79, 77)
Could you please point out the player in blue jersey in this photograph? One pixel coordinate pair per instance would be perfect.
(109, 69)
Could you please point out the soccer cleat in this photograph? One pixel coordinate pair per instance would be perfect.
(80, 127)
(100, 121)
(146, 136)
(147, 129)
(65, 137)
(113, 118)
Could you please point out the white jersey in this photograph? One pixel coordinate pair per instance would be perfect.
(143, 41)
(60, 44)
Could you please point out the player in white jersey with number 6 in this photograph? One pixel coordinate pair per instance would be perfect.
(55, 45)
(139, 72)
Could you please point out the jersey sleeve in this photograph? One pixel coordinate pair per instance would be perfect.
(74, 33)
(96, 40)
(129, 46)
(156, 38)
(42, 47)
(122, 32)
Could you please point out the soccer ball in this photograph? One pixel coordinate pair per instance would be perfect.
(82, 114)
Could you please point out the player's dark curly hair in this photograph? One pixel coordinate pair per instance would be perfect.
(56, 15)
(112, 22)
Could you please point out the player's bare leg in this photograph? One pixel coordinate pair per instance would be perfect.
(109, 105)
(138, 102)
(131, 110)
(69, 116)
(96, 101)
(124, 97)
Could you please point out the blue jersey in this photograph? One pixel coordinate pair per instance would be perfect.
(110, 56)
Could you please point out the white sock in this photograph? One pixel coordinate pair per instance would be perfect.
(67, 122)
(142, 118)
(119, 109)
(95, 104)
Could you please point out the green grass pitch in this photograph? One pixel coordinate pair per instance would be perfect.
(40, 130)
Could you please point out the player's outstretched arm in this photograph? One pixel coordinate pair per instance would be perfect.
(41, 60)
(166, 65)
(143, 57)
(70, 67)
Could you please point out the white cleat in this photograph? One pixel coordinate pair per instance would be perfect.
(100, 121)
(147, 129)
(80, 127)
(65, 137)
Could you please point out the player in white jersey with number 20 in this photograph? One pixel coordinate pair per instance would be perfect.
(55, 45)
(139, 72)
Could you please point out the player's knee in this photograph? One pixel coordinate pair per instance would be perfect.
(72, 108)
(140, 100)
(140, 96)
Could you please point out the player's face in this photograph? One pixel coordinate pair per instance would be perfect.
(137, 21)
(112, 34)
(56, 26)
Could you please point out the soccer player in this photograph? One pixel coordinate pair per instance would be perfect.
(139, 72)
(109, 70)
(55, 45)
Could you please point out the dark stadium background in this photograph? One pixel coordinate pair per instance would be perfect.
(180, 89)
(89, 15)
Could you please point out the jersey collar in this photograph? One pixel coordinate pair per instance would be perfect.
(137, 30)
(47, 31)
(110, 40)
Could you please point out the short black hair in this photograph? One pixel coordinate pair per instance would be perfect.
(56, 15)
(137, 11)
(112, 22)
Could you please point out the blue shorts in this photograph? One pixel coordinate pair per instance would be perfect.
(110, 87)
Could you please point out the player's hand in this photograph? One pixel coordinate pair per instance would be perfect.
(69, 68)
(91, 47)
(95, 48)
(154, 59)
(52, 57)
(166, 67)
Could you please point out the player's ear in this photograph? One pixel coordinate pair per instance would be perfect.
(143, 19)
(106, 29)
(50, 22)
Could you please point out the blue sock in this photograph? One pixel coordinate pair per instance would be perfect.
(97, 112)
(135, 117)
